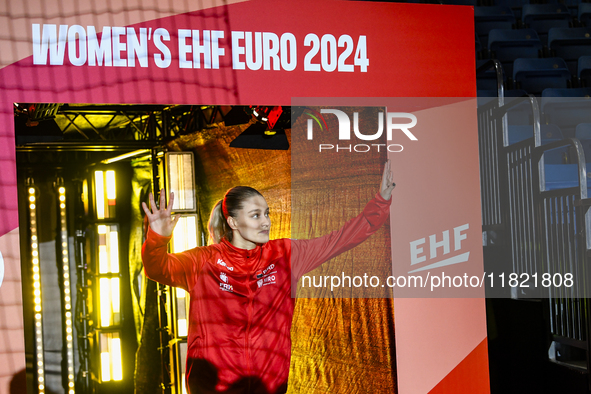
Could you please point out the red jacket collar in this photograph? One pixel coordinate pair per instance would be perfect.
(235, 252)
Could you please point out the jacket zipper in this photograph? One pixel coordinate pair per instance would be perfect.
(248, 325)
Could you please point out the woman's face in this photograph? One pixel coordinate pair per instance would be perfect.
(252, 224)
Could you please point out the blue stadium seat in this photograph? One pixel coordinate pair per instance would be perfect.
(519, 108)
(585, 13)
(562, 176)
(516, 6)
(535, 75)
(488, 18)
(584, 71)
(573, 5)
(549, 133)
(567, 108)
(508, 45)
(570, 44)
(543, 17)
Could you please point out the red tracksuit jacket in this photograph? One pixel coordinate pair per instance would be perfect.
(241, 301)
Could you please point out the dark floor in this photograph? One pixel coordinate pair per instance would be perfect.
(518, 355)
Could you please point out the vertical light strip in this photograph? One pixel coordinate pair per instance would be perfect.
(105, 194)
(111, 357)
(99, 194)
(181, 180)
(184, 238)
(181, 300)
(111, 187)
(183, 356)
(108, 248)
(105, 302)
(66, 286)
(38, 317)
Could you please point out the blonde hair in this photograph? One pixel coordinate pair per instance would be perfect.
(218, 226)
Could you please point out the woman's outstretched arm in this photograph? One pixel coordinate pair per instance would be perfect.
(160, 217)
(170, 269)
(309, 254)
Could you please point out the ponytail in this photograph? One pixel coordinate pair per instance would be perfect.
(228, 206)
(218, 226)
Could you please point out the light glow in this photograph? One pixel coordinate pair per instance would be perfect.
(111, 359)
(108, 249)
(110, 303)
(182, 327)
(116, 359)
(105, 366)
(181, 180)
(99, 194)
(111, 187)
(184, 236)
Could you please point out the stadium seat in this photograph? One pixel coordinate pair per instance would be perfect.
(548, 132)
(488, 18)
(543, 17)
(570, 44)
(535, 75)
(585, 14)
(508, 45)
(562, 176)
(584, 71)
(566, 108)
(516, 6)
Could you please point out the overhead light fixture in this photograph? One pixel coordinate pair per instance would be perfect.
(129, 155)
(269, 130)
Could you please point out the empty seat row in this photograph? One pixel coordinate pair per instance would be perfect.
(534, 75)
(564, 108)
(560, 170)
(569, 44)
(517, 6)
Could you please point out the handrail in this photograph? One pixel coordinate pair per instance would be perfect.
(499, 72)
(536, 119)
(580, 158)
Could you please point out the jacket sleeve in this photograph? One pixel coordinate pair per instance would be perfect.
(176, 269)
(309, 254)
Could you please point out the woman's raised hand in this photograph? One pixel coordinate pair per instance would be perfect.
(160, 218)
(387, 184)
